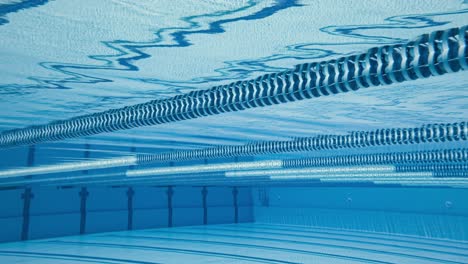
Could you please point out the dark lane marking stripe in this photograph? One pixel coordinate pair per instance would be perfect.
(308, 252)
(314, 244)
(379, 235)
(72, 257)
(57, 258)
(357, 234)
(422, 256)
(376, 242)
(167, 249)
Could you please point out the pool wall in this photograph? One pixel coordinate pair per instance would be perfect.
(50, 211)
(70, 210)
(55, 212)
(427, 212)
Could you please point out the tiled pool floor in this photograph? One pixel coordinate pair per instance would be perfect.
(237, 243)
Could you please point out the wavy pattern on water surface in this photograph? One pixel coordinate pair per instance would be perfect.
(163, 58)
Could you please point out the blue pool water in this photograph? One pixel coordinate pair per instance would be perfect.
(274, 131)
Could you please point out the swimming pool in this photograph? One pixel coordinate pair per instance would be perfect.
(235, 131)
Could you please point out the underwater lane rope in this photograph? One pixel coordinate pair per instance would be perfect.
(451, 132)
(357, 139)
(451, 156)
(433, 54)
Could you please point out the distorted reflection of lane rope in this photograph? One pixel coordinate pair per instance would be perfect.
(432, 54)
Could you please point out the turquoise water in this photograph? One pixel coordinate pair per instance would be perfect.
(63, 59)
(375, 173)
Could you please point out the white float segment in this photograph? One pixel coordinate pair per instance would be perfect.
(402, 178)
(313, 171)
(357, 176)
(72, 166)
(267, 164)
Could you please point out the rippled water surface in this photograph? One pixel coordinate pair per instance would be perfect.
(60, 59)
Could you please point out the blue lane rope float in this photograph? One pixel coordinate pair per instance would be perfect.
(451, 161)
(251, 178)
(272, 167)
(413, 178)
(451, 156)
(358, 139)
(448, 168)
(447, 163)
(450, 132)
(433, 54)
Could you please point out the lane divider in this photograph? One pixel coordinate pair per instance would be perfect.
(433, 54)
